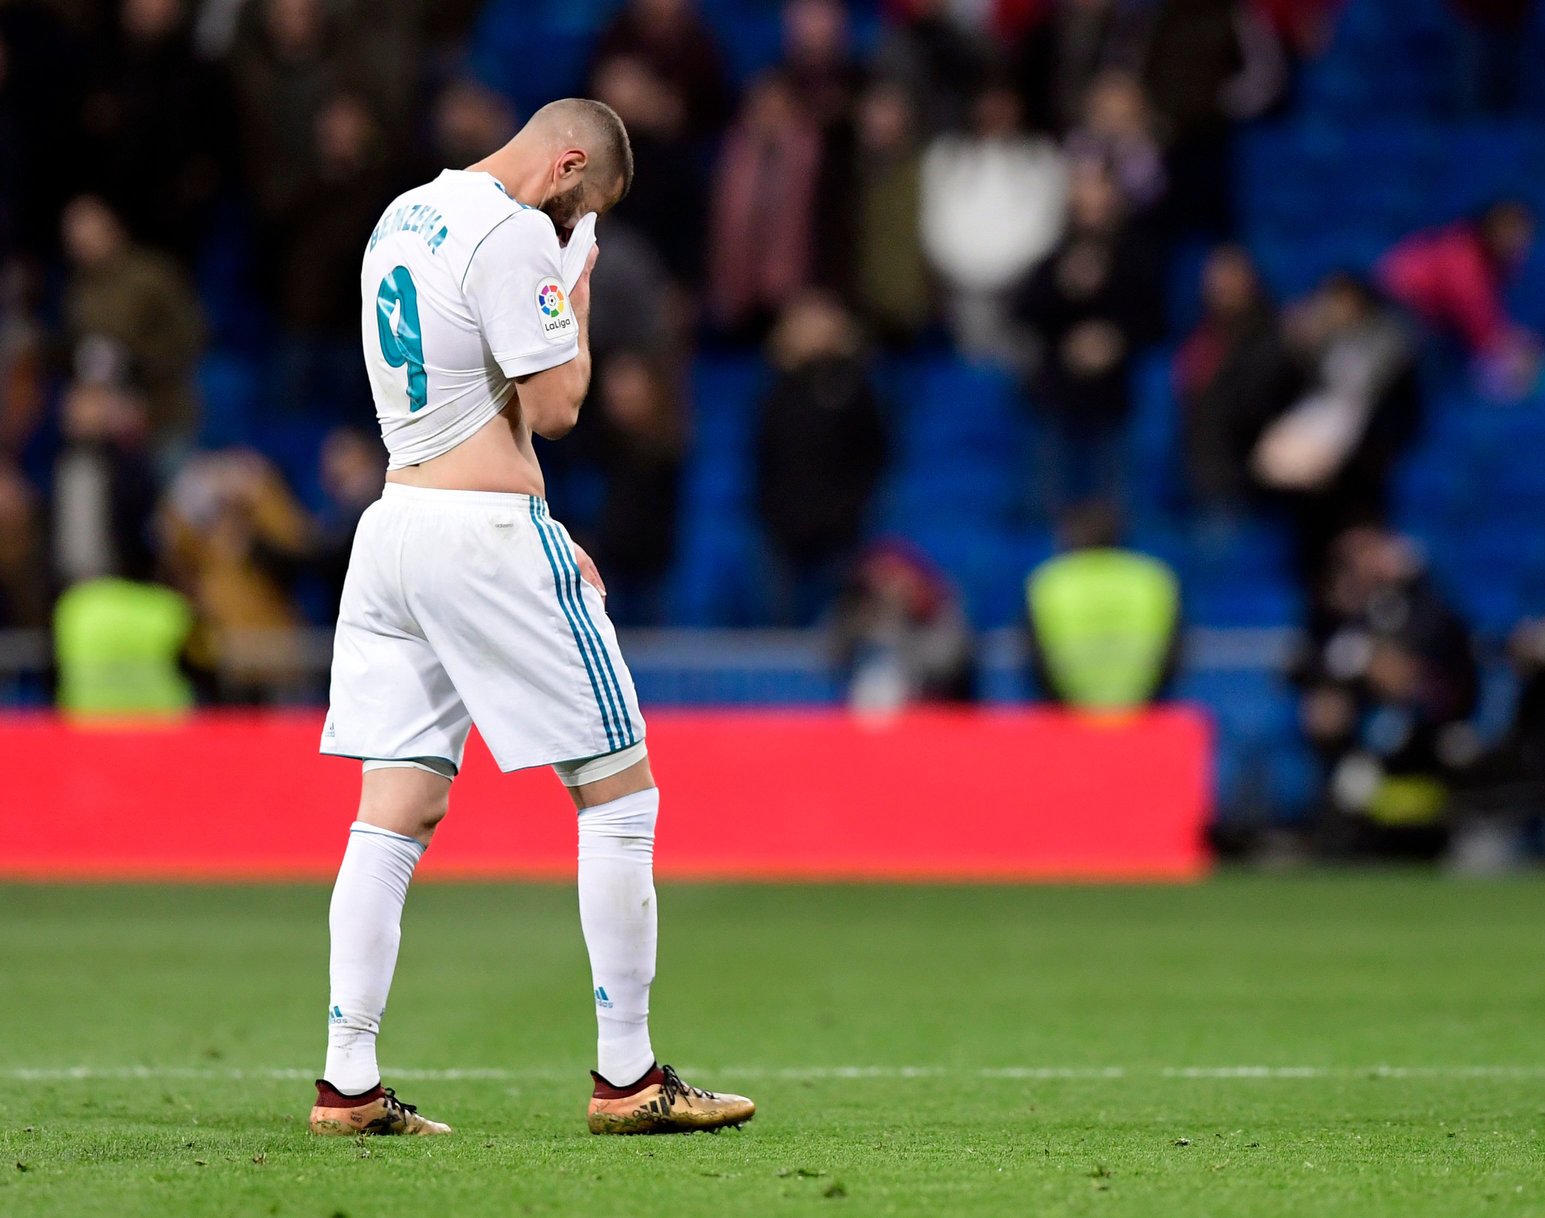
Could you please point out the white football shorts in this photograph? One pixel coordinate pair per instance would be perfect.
(465, 607)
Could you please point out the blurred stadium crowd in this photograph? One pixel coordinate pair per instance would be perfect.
(909, 295)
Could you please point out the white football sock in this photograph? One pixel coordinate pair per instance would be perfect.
(617, 912)
(366, 924)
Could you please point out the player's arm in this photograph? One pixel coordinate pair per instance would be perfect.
(538, 332)
(550, 400)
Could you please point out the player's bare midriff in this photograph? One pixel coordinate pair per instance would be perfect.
(496, 457)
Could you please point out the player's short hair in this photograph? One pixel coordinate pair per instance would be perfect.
(602, 127)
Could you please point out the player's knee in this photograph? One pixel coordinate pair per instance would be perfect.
(432, 811)
(415, 818)
(410, 799)
(426, 809)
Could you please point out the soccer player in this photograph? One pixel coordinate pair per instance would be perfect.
(467, 602)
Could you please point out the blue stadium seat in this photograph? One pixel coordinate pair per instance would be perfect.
(229, 388)
(501, 49)
(1262, 763)
(1155, 458)
(720, 576)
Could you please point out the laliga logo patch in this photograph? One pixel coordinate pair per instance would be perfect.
(549, 298)
(557, 320)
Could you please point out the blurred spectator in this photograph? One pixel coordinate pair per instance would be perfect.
(1116, 133)
(1388, 681)
(674, 40)
(14, 152)
(667, 204)
(640, 446)
(1061, 57)
(902, 636)
(1092, 305)
(994, 203)
(23, 582)
(1303, 27)
(764, 209)
(157, 124)
(941, 63)
(353, 473)
(820, 450)
(819, 66)
(285, 64)
(632, 306)
(235, 539)
(640, 321)
(1454, 279)
(447, 25)
(818, 60)
(141, 305)
(40, 89)
(104, 489)
(387, 49)
(1234, 376)
(23, 356)
(215, 23)
(1104, 621)
(1000, 21)
(891, 286)
(1332, 452)
(470, 120)
(1497, 51)
(319, 373)
(1208, 64)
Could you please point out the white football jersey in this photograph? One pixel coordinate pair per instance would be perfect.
(462, 290)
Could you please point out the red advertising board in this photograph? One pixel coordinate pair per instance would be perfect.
(937, 795)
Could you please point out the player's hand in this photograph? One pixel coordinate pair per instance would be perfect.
(588, 571)
(580, 296)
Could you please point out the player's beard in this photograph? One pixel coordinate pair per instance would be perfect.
(565, 210)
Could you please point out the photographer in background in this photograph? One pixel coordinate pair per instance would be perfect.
(1389, 681)
(1501, 796)
(235, 538)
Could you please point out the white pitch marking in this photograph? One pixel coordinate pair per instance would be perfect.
(496, 1074)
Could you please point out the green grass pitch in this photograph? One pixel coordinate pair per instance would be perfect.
(1131, 1051)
